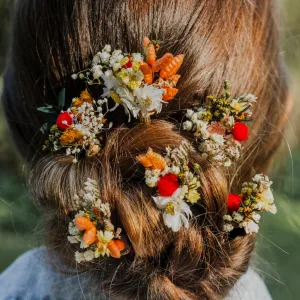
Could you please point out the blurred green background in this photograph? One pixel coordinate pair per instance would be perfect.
(277, 256)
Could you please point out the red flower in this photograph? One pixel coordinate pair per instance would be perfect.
(167, 185)
(64, 121)
(234, 202)
(240, 131)
(129, 64)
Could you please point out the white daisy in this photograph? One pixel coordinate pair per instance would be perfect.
(149, 99)
(176, 211)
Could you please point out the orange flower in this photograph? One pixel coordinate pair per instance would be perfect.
(90, 235)
(172, 68)
(115, 247)
(77, 102)
(86, 96)
(152, 160)
(150, 51)
(147, 71)
(169, 94)
(163, 62)
(70, 136)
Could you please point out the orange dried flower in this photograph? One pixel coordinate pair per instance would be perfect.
(169, 94)
(77, 102)
(152, 160)
(150, 51)
(70, 136)
(86, 96)
(172, 68)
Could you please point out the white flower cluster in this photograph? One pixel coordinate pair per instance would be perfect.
(94, 211)
(257, 196)
(124, 82)
(213, 141)
(176, 211)
(212, 126)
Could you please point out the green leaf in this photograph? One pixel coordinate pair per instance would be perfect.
(49, 109)
(62, 99)
(44, 128)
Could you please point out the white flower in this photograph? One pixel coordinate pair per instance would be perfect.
(89, 255)
(250, 98)
(187, 125)
(149, 98)
(73, 239)
(107, 48)
(97, 72)
(175, 170)
(267, 196)
(105, 237)
(116, 53)
(176, 211)
(110, 82)
(104, 56)
(218, 138)
(73, 230)
(128, 102)
(237, 217)
(227, 218)
(228, 227)
(79, 257)
(137, 57)
(189, 113)
(74, 76)
(250, 227)
(256, 217)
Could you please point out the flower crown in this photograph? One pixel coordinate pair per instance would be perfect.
(140, 83)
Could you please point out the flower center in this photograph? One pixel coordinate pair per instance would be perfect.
(147, 101)
(170, 208)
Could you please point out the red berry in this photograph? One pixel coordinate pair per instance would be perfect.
(64, 121)
(167, 185)
(240, 131)
(234, 202)
(128, 65)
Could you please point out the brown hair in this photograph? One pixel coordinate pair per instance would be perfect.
(233, 40)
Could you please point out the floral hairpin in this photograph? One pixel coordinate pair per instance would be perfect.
(176, 181)
(140, 83)
(243, 209)
(92, 227)
(219, 128)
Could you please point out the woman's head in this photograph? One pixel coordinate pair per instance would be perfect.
(236, 40)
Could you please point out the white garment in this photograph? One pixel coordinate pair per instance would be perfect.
(30, 278)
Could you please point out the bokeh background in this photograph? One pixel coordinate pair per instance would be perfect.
(277, 256)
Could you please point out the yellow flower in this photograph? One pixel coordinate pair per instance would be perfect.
(104, 239)
(70, 136)
(170, 208)
(134, 84)
(77, 102)
(193, 196)
(115, 96)
(124, 61)
(136, 66)
(240, 117)
(86, 96)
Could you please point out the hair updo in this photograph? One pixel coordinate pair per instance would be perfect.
(233, 40)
